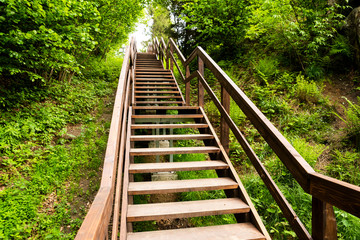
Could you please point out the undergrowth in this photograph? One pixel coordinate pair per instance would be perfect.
(50, 172)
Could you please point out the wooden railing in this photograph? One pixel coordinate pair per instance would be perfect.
(107, 200)
(326, 192)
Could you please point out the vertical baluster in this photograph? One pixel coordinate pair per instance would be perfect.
(224, 127)
(323, 221)
(187, 86)
(201, 87)
(171, 59)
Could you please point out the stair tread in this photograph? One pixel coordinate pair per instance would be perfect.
(186, 209)
(158, 102)
(172, 150)
(152, 126)
(239, 231)
(169, 116)
(166, 107)
(160, 187)
(166, 88)
(169, 97)
(176, 166)
(155, 83)
(153, 92)
(171, 137)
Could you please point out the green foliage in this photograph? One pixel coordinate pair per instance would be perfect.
(266, 68)
(219, 26)
(345, 166)
(352, 114)
(44, 165)
(53, 38)
(306, 91)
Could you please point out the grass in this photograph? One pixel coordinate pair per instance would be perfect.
(50, 174)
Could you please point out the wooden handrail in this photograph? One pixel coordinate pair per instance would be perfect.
(325, 189)
(96, 222)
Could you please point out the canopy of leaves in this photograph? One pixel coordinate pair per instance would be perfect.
(53, 38)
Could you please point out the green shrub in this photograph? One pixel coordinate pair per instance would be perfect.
(306, 91)
(345, 166)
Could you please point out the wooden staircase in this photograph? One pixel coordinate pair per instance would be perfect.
(158, 106)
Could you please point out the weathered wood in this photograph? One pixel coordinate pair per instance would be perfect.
(95, 224)
(155, 92)
(158, 97)
(161, 187)
(154, 126)
(323, 221)
(158, 102)
(200, 86)
(155, 83)
(177, 166)
(338, 193)
(158, 211)
(166, 88)
(187, 87)
(171, 137)
(254, 216)
(170, 116)
(166, 107)
(224, 127)
(240, 231)
(284, 205)
(173, 150)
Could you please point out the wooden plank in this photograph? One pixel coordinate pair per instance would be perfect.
(224, 127)
(200, 86)
(170, 116)
(168, 210)
(165, 76)
(171, 137)
(338, 193)
(159, 102)
(189, 185)
(155, 92)
(177, 166)
(155, 126)
(173, 150)
(165, 107)
(323, 221)
(155, 83)
(158, 97)
(156, 88)
(239, 231)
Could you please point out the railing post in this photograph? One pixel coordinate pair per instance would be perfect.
(171, 59)
(224, 127)
(187, 86)
(200, 86)
(323, 221)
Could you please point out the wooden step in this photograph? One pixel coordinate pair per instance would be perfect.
(155, 92)
(169, 116)
(156, 88)
(170, 210)
(153, 76)
(156, 126)
(239, 231)
(189, 185)
(177, 166)
(165, 107)
(153, 73)
(164, 97)
(159, 102)
(171, 137)
(150, 70)
(172, 150)
(156, 83)
(154, 79)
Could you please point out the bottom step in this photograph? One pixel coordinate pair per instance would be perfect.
(240, 231)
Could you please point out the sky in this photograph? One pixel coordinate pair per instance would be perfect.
(142, 32)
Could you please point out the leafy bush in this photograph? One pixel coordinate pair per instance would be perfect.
(306, 91)
(345, 166)
(266, 69)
